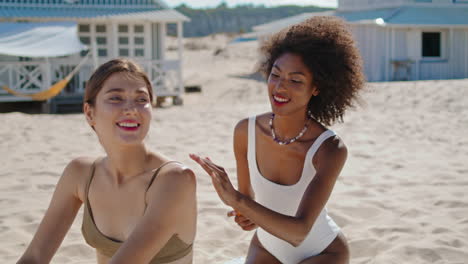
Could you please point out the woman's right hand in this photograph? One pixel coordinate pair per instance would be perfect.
(242, 221)
(221, 182)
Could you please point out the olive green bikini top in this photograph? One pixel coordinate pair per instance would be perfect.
(174, 249)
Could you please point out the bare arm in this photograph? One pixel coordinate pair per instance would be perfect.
(240, 152)
(243, 176)
(330, 159)
(59, 216)
(171, 199)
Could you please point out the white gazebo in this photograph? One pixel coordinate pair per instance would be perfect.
(33, 57)
(401, 39)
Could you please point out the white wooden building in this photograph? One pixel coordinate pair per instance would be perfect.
(402, 39)
(136, 29)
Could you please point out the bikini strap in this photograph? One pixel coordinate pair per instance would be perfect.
(157, 172)
(88, 183)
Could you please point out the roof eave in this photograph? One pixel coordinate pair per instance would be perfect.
(99, 18)
(393, 25)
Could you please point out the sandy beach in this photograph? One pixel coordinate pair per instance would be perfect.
(401, 198)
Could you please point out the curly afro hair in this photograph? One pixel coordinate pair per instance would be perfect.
(328, 50)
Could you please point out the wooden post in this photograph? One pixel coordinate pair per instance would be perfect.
(466, 53)
(393, 52)
(162, 41)
(180, 36)
(180, 52)
(94, 45)
(451, 57)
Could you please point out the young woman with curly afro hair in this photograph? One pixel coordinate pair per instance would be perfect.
(288, 160)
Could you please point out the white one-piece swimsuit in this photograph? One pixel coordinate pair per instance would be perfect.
(285, 199)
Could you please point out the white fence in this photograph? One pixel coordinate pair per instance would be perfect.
(35, 76)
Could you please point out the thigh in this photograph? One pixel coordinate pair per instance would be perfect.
(336, 253)
(258, 254)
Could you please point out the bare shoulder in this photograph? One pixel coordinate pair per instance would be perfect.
(80, 164)
(240, 141)
(181, 174)
(241, 127)
(332, 150)
(263, 120)
(77, 172)
(176, 176)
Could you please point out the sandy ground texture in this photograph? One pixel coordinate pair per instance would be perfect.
(402, 197)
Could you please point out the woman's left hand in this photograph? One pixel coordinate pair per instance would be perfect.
(219, 178)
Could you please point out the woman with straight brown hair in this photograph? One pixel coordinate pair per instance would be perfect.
(139, 205)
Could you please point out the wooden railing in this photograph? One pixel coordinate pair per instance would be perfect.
(34, 76)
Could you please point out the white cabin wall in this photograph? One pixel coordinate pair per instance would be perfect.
(372, 44)
(8, 58)
(458, 62)
(400, 42)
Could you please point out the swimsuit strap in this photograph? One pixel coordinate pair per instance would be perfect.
(156, 174)
(93, 169)
(157, 171)
(88, 183)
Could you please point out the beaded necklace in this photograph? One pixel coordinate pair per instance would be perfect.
(288, 141)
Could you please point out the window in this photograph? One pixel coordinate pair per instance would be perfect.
(123, 40)
(123, 28)
(139, 41)
(97, 34)
(85, 40)
(139, 52)
(83, 28)
(123, 52)
(138, 29)
(102, 52)
(84, 33)
(101, 40)
(431, 44)
(131, 40)
(100, 28)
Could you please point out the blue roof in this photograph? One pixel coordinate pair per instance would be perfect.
(70, 13)
(431, 16)
(412, 15)
(84, 9)
(157, 3)
(64, 12)
(367, 14)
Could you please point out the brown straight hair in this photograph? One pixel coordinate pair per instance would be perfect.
(103, 72)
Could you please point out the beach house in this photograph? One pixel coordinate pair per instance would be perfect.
(401, 39)
(41, 41)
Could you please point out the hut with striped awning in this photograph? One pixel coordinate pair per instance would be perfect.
(42, 41)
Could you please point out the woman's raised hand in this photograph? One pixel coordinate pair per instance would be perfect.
(245, 223)
(220, 180)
